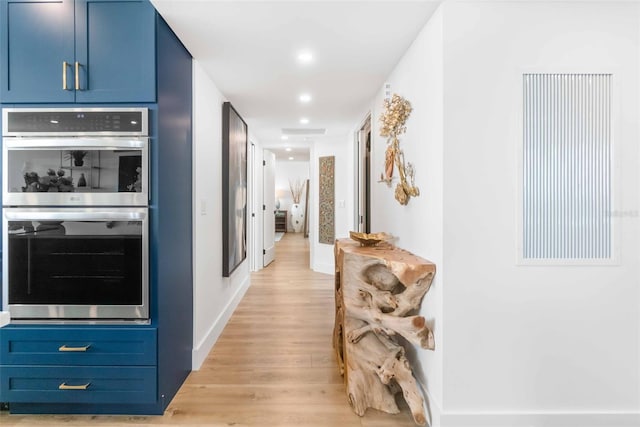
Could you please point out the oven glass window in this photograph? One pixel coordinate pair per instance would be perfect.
(75, 262)
(80, 171)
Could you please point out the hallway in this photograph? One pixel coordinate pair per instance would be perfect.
(273, 365)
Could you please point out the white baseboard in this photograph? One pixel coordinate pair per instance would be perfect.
(436, 417)
(539, 419)
(199, 354)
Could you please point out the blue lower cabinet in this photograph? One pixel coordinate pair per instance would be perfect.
(84, 384)
(78, 365)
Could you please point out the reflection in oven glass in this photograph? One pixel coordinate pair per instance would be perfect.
(64, 171)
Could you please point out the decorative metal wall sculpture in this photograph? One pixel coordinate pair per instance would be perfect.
(392, 124)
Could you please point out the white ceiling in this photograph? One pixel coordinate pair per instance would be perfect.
(249, 49)
(299, 152)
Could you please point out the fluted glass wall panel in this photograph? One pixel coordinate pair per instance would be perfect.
(567, 167)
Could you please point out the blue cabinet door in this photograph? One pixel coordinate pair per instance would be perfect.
(36, 38)
(115, 50)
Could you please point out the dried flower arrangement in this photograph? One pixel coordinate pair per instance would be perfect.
(392, 123)
(296, 190)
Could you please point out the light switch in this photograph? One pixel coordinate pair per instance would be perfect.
(203, 207)
(341, 203)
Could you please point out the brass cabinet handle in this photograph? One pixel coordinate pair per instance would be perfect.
(65, 64)
(74, 349)
(77, 75)
(64, 386)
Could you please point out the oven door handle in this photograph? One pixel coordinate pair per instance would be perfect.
(19, 215)
(67, 143)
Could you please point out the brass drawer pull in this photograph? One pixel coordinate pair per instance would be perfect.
(74, 349)
(64, 386)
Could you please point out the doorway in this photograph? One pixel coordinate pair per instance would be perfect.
(362, 218)
(268, 207)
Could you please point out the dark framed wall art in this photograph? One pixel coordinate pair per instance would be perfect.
(234, 189)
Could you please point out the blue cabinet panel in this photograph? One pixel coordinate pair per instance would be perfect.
(115, 49)
(79, 384)
(36, 37)
(171, 213)
(78, 346)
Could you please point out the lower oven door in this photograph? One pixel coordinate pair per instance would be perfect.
(76, 264)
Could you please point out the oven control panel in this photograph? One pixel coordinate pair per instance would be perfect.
(60, 121)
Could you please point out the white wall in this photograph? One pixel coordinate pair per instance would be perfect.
(553, 340)
(214, 297)
(290, 170)
(515, 345)
(418, 225)
(322, 258)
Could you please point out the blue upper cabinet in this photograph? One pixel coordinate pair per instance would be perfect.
(84, 51)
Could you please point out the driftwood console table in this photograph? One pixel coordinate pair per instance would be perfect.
(378, 290)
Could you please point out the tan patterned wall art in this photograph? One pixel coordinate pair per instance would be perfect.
(326, 221)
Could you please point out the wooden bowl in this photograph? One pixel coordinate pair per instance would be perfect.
(368, 239)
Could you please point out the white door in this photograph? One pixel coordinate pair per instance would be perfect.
(269, 207)
(254, 177)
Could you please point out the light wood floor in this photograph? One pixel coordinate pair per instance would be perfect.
(272, 366)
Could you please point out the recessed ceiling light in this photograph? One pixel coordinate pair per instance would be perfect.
(284, 137)
(287, 149)
(305, 57)
(304, 98)
(304, 121)
(290, 158)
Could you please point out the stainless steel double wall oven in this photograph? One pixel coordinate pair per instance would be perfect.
(75, 214)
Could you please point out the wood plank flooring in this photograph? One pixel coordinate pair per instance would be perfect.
(272, 366)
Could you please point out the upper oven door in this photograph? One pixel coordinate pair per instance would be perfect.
(75, 171)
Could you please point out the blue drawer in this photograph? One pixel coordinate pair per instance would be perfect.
(80, 384)
(77, 346)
